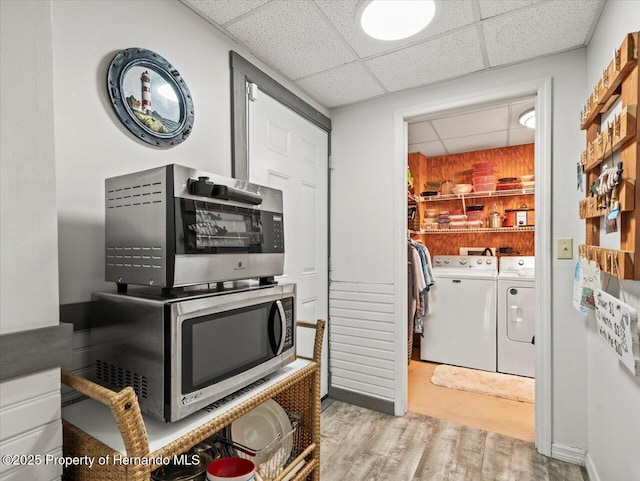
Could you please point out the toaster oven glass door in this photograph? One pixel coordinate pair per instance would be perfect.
(215, 228)
(219, 346)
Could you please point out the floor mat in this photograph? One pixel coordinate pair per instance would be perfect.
(491, 383)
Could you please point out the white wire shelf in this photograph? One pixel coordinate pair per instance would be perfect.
(475, 230)
(476, 195)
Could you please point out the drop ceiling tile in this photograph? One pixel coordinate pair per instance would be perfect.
(421, 132)
(492, 8)
(470, 143)
(224, 11)
(450, 14)
(472, 123)
(520, 136)
(342, 85)
(539, 30)
(429, 149)
(292, 37)
(445, 57)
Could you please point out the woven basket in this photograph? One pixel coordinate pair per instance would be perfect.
(299, 393)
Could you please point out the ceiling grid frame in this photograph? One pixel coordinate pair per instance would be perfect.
(337, 21)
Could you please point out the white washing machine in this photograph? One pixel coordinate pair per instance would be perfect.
(517, 316)
(461, 329)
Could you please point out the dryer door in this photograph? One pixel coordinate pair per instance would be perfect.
(521, 314)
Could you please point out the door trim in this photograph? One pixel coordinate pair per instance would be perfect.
(242, 71)
(542, 89)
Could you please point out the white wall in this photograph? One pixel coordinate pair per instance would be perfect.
(29, 405)
(362, 207)
(60, 140)
(92, 144)
(613, 393)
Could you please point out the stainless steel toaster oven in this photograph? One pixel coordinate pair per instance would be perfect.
(175, 226)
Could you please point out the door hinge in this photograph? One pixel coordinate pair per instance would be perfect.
(252, 91)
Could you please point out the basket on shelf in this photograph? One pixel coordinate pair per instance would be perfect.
(272, 458)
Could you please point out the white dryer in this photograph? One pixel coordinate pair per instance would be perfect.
(517, 316)
(461, 329)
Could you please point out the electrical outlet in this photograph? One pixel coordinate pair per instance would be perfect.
(565, 248)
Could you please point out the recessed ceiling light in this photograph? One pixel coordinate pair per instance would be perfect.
(528, 118)
(396, 19)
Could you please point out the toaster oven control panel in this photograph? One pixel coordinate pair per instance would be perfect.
(273, 231)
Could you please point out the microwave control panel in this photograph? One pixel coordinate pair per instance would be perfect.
(287, 304)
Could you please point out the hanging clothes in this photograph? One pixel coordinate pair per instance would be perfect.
(413, 294)
(420, 279)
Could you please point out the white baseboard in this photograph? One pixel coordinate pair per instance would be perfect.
(570, 454)
(591, 469)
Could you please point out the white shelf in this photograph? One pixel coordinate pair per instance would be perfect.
(476, 230)
(96, 419)
(477, 195)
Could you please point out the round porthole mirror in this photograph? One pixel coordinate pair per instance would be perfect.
(150, 97)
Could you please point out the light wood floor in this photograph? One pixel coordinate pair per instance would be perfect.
(363, 445)
(512, 418)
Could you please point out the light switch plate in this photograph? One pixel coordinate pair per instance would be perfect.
(565, 248)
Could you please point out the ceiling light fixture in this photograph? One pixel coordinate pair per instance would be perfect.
(396, 19)
(528, 118)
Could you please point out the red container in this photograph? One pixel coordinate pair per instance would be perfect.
(230, 469)
(480, 173)
(484, 187)
(484, 166)
(484, 179)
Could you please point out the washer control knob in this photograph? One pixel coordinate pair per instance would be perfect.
(479, 261)
(438, 261)
(489, 261)
(463, 261)
(446, 261)
(521, 262)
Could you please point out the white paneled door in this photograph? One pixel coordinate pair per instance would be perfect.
(288, 152)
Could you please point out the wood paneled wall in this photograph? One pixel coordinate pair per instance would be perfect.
(510, 162)
(448, 244)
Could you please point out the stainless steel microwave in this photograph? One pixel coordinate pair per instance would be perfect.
(174, 226)
(187, 351)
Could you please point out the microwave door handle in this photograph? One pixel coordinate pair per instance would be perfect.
(283, 326)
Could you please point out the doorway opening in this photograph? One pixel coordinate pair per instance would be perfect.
(540, 90)
(471, 196)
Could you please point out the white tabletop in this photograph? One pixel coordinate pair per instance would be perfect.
(96, 419)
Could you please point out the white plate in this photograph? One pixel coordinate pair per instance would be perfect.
(260, 426)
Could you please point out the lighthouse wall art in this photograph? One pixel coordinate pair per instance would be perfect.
(152, 99)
